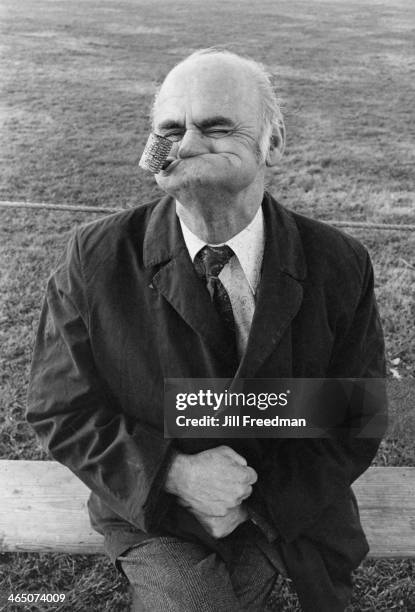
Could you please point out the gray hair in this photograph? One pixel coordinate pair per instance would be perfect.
(270, 113)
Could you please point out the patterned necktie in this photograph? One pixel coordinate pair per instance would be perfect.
(209, 263)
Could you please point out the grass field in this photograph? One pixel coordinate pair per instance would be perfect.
(76, 81)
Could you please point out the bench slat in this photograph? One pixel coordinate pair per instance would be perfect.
(386, 498)
(43, 509)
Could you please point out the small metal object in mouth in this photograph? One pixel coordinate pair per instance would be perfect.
(155, 153)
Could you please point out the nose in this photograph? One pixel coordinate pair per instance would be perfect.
(191, 144)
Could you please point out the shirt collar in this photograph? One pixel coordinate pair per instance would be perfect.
(248, 246)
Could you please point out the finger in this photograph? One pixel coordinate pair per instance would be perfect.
(243, 513)
(234, 455)
(251, 475)
(245, 495)
(239, 513)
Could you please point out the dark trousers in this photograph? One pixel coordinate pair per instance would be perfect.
(169, 574)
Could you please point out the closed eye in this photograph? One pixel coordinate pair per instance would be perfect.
(217, 132)
(173, 135)
(214, 132)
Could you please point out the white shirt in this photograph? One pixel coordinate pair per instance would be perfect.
(241, 275)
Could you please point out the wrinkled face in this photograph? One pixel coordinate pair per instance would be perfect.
(209, 108)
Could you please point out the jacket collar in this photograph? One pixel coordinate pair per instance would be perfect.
(164, 239)
(175, 278)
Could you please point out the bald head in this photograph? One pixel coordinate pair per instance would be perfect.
(202, 66)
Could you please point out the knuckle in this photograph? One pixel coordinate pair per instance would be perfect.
(240, 473)
(246, 478)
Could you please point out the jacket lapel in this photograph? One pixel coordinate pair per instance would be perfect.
(279, 295)
(176, 280)
(280, 291)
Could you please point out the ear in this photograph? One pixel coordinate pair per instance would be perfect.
(276, 146)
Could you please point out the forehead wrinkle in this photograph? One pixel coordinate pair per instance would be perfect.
(193, 83)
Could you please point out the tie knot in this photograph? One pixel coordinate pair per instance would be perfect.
(213, 259)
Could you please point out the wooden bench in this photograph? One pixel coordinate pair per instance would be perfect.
(43, 509)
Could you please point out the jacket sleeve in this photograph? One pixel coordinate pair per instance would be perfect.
(303, 477)
(76, 417)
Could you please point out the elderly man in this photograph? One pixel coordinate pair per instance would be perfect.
(216, 280)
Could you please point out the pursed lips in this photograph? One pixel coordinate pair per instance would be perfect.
(169, 165)
(172, 162)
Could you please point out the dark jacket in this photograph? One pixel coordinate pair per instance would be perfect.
(125, 309)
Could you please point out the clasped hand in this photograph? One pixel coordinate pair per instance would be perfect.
(212, 485)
